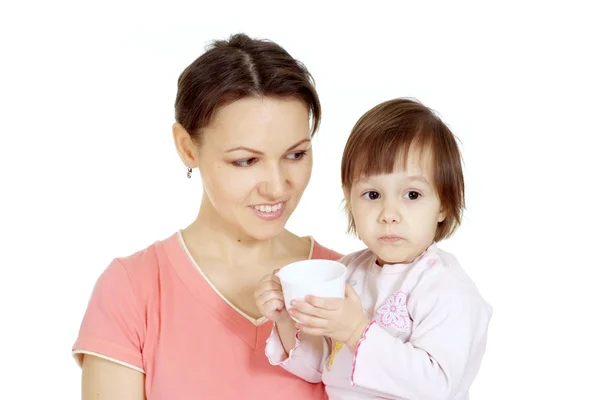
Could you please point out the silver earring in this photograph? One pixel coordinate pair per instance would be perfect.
(189, 172)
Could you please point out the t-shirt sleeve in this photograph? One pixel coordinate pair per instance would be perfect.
(113, 326)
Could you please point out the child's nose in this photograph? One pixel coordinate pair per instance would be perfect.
(390, 216)
(390, 219)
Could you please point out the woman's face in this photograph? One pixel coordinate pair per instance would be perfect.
(255, 162)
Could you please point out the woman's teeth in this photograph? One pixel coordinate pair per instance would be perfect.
(268, 209)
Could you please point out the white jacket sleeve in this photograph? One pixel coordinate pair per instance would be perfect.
(306, 360)
(443, 354)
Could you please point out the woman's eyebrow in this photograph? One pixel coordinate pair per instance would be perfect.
(260, 152)
(246, 149)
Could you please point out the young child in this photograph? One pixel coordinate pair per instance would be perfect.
(412, 324)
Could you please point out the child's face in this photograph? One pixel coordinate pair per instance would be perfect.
(396, 215)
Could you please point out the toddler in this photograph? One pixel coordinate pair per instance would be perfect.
(412, 324)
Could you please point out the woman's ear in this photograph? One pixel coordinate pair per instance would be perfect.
(185, 146)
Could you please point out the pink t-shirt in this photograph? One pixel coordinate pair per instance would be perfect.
(155, 312)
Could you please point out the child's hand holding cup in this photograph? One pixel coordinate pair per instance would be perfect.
(270, 300)
(320, 278)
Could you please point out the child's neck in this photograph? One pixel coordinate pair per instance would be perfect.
(381, 262)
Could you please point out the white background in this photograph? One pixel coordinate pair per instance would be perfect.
(89, 171)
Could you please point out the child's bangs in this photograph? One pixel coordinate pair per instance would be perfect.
(385, 154)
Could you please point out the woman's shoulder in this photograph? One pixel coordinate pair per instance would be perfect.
(141, 268)
(355, 258)
(114, 325)
(320, 252)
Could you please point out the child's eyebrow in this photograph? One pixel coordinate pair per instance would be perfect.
(418, 178)
(363, 180)
(411, 178)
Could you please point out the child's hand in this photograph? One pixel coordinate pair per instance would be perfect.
(340, 319)
(269, 299)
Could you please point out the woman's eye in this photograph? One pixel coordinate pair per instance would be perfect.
(245, 163)
(412, 195)
(371, 195)
(299, 155)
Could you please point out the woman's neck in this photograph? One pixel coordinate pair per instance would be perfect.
(215, 238)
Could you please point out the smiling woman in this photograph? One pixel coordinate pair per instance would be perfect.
(255, 161)
(178, 320)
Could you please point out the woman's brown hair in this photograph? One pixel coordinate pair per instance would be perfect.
(386, 134)
(236, 68)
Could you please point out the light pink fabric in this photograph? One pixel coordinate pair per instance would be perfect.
(426, 339)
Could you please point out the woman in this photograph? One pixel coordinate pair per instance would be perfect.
(178, 320)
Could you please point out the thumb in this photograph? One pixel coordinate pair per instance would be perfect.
(350, 292)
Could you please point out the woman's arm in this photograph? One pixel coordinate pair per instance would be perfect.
(103, 379)
(110, 339)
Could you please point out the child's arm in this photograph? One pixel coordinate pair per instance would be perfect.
(444, 352)
(297, 353)
(286, 331)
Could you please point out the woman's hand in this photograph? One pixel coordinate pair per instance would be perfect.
(339, 319)
(269, 299)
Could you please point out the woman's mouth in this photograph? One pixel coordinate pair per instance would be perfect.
(269, 212)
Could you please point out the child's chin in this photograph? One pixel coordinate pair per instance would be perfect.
(388, 258)
(396, 255)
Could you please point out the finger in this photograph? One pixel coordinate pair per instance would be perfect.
(268, 285)
(325, 303)
(271, 285)
(273, 305)
(265, 288)
(310, 330)
(276, 280)
(269, 278)
(307, 308)
(350, 292)
(308, 320)
(270, 295)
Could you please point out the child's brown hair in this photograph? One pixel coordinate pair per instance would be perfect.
(385, 134)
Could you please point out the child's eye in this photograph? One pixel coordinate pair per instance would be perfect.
(371, 195)
(412, 195)
(245, 163)
(299, 155)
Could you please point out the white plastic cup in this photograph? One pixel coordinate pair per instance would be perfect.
(321, 278)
